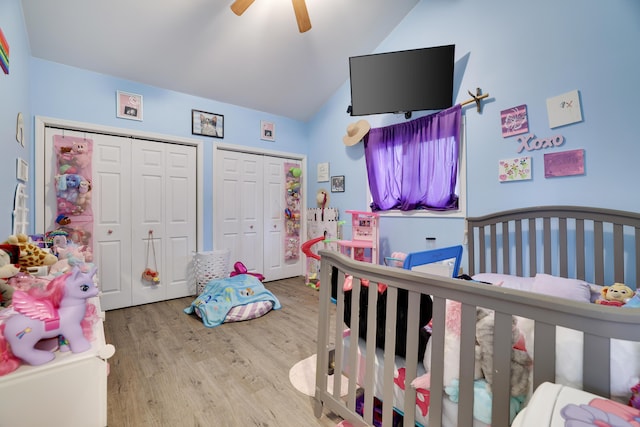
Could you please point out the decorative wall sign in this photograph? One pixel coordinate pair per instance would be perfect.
(517, 169)
(128, 106)
(530, 142)
(564, 163)
(564, 109)
(4, 53)
(323, 172)
(267, 131)
(514, 121)
(207, 124)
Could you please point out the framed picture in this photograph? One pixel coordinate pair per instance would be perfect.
(323, 172)
(337, 184)
(267, 131)
(22, 170)
(128, 106)
(207, 124)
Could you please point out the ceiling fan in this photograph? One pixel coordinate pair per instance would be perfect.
(299, 7)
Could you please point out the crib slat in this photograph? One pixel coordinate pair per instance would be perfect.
(618, 253)
(562, 241)
(598, 251)
(546, 243)
(389, 354)
(501, 370)
(372, 302)
(437, 361)
(544, 351)
(353, 343)
(467, 364)
(597, 352)
(580, 250)
(519, 269)
(533, 263)
(413, 310)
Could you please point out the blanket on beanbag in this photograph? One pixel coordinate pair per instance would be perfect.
(221, 295)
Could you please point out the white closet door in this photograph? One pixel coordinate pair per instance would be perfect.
(164, 191)
(238, 208)
(148, 214)
(274, 205)
(180, 218)
(275, 265)
(112, 219)
(137, 185)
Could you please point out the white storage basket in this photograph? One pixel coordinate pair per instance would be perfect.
(210, 265)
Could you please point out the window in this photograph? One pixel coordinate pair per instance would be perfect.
(417, 167)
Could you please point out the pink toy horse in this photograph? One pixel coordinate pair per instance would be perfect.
(60, 313)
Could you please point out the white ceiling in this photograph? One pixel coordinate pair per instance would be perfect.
(258, 60)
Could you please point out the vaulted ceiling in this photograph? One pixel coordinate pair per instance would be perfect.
(258, 60)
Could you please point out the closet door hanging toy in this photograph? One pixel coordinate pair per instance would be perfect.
(150, 275)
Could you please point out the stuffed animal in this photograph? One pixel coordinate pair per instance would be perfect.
(7, 270)
(617, 295)
(31, 255)
(521, 362)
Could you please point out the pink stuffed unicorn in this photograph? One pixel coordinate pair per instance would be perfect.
(58, 310)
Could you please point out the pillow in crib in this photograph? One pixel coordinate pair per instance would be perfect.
(506, 280)
(560, 287)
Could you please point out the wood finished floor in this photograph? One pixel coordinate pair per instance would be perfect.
(170, 370)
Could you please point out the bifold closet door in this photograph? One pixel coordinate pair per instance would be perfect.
(249, 212)
(138, 186)
(239, 208)
(276, 264)
(112, 219)
(163, 218)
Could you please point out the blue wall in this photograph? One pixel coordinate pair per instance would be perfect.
(14, 98)
(519, 53)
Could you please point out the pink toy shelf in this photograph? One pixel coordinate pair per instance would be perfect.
(364, 242)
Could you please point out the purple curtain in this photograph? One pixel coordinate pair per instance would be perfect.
(414, 165)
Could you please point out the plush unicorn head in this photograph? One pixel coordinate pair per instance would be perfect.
(57, 310)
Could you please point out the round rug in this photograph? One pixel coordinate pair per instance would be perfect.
(303, 377)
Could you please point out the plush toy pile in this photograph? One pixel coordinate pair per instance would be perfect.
(47, 310)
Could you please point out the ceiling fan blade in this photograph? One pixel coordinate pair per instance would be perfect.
(239, 6)
(302, 15)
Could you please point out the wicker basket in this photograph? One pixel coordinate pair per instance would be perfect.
(210, 265)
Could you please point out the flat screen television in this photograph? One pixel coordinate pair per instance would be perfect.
(402, 81)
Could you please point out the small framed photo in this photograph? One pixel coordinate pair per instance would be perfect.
(207, 124)
(22, 170)
(128, 106)
(337, 184)
(267, 131)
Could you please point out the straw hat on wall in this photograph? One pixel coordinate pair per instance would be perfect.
(355, 132)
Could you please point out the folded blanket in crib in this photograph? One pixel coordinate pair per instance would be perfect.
(220, 295)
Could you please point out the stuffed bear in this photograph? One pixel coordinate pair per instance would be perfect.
(617, 295)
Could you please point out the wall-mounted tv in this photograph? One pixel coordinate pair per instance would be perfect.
(403, 81)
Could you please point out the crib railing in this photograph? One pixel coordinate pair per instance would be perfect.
(598, 323)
